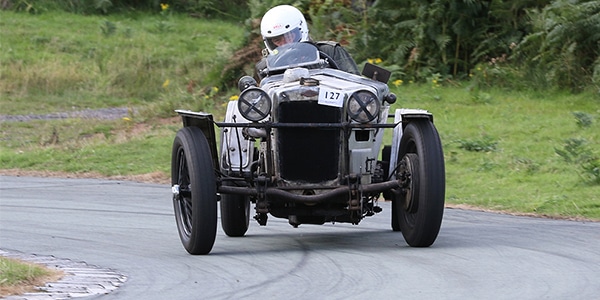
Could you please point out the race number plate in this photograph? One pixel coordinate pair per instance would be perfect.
(330, 97)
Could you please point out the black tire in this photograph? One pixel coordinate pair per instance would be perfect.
(195, 198)
(419, 207)
(385, 156)
(395, 219)
(235, 214)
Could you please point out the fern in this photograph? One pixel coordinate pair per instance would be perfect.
(565, 42)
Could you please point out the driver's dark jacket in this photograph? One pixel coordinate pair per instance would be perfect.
(334, 50)
(339, 55)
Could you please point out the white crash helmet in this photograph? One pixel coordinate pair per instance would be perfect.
(281, 25)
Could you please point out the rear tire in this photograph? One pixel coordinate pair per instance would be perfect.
(395, 218)
(419, 206)
(235, 214)
(194, 190)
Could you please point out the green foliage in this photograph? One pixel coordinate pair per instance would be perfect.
(221, 9)
(527, 43)
(14, 272)
(500, 73)
(575, 150)
(514, 44)
(579, 153)
(591, 171)
(163, 24)
(336, 20)
(530, 166)
(481, 97)
(485, 144)
(259, 7)
(426, 38)
(108, 28)
(583, 119)
(564, 44)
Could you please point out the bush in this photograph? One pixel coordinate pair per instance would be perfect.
(485, 144)
(579, 153)
(563, 44)
(526, 43)
(440, 37)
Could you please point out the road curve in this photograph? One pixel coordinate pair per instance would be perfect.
(129, 228)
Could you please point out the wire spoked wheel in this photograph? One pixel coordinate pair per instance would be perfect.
(194, 190)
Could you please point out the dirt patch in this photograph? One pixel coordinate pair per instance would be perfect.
(154, 177)
(112, 113)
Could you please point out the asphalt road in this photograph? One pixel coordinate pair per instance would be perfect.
(129, 228)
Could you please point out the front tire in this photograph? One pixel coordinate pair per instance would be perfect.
(419, 205)
(194, 190)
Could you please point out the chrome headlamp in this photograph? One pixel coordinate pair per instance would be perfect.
(254, 104)
(363, 106)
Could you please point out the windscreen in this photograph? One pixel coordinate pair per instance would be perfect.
(292, 55)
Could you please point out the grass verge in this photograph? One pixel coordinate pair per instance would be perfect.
(18, 277)
(501, 155)
(502, 148)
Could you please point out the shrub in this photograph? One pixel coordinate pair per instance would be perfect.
(563, 44)
(577, 152)
(485, 144)
(583, 119)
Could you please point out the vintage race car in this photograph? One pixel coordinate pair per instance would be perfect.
(306, 144)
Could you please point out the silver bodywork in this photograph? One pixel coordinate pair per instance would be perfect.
(236, 147)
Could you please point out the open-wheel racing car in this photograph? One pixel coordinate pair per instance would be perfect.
(305, 144)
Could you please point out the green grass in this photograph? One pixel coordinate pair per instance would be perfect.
(13, 272)
(522, 171)
(17, 276)
(500, 146)
(114, 153)
(58, 61)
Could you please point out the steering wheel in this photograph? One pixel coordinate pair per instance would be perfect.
(330, 61)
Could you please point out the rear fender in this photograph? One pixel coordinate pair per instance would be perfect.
(402, 117)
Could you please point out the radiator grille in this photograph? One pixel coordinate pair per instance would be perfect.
(308, 154)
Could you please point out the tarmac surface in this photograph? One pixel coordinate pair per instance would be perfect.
(123, 235)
